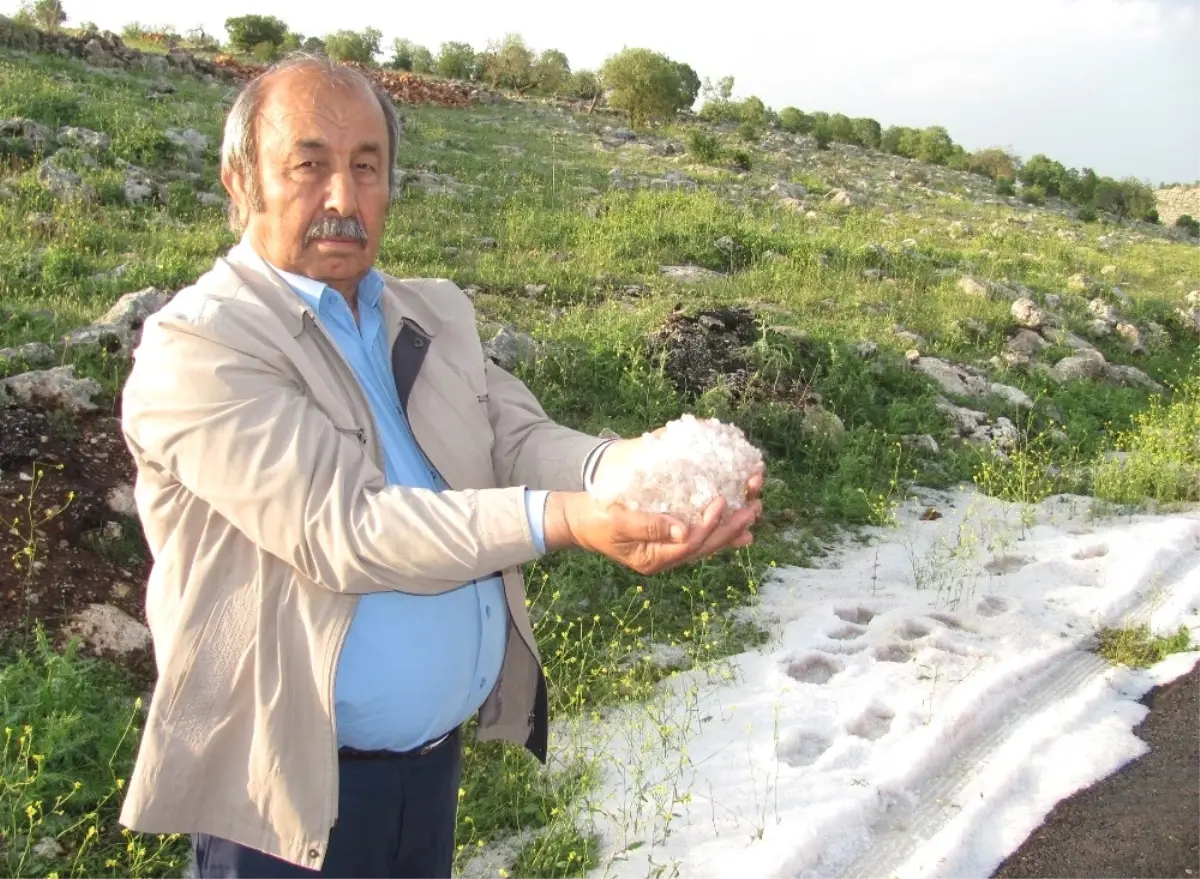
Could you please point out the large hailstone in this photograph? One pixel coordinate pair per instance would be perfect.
(680, 472)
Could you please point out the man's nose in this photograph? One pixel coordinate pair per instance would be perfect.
(342, 197)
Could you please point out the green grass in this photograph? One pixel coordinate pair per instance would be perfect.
(557, 223)
(1138, 647)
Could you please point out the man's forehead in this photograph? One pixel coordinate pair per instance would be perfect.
(299, 105)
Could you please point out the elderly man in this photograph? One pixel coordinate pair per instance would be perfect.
(338, 489)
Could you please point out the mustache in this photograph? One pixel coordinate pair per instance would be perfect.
(336, 227)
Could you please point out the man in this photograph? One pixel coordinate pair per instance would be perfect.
(338, 490)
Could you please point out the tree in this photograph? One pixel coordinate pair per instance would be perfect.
(509, 63)
(552, 72)
(1044, 172)
(689, 85)
(315, 45)
(935, 145)
(407, 55)
(584, 85)
(993, 163)
(45, 14)
(359, 47)
(247, 31)
(867, 132)
(644, 83)
(794, 121)
(457, 61)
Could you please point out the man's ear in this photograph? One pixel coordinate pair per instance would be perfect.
(235, 185)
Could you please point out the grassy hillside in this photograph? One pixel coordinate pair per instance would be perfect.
(844, 261)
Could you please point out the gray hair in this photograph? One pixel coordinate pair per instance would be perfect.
(239, 147)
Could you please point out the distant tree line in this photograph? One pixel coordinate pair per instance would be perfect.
(653, 88)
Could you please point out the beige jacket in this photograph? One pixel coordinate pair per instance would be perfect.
(261, 489)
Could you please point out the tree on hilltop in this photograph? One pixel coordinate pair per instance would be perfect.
(48, 15)
(407, 55)
(358, 47)
(552, 72)
(248, 31)
(509, 63)
(646, 84)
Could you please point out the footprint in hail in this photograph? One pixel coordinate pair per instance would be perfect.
(1006, 564)
(802, 748)
(873, 723)
(858, 615)
(950, 621)
(847, 632)
(1095, 551)
(813, 668)
(892, 653)
(993, 606)
(910, 630)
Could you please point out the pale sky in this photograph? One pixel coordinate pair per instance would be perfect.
(1109, 84)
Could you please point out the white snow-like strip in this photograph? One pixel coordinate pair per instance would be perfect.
(924, 701)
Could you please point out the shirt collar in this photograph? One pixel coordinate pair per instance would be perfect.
(317, 294)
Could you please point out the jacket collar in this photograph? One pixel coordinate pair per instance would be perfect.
(400, 303)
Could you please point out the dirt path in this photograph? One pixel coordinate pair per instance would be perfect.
(1141, 821)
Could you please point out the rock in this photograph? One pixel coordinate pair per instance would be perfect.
(109, 629)
(1078, 367)
(212, 200)
(1078, 284)
(866, 350)
(55, 388)
(486, 243)
(84, 137)
(121, 326)
(912, 355)
(1190, 318)
(1053, 300)
(121, 501)
(1192, 299)
(725, 244)
(916, 340)
(922, 443)
(1026, 313)
(689, 273)
(963, 382)
(1101, 310)
(189, 139)
(822, 422)
(791, 191)
(34, 135)
(1100, 328)
(953, 379)
(966, 421)
(29, 354)
(1131, 376)
(428, 181)
(842, 198)
(1131, 338)
(972, 287)
(1108, 270)
(1058, 437)
(1026, 343)
(509, 348)
(1068, 339)
(140, 189)
(872, 274)
(65, 184)
(959, 229)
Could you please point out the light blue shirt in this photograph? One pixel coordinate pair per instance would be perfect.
(412, 667)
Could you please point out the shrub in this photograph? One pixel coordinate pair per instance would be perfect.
(1189, 224)
(993, 163)
(1151, 216)
(1086, 214)
(794, 121)
(1033, 195)
(867, 133)
(359, 47)
(705, 147)
(1004, 186)
(740, 160)
(264, 52)
(749, 131)
(822, 135)
(249, 31)
(645, 84)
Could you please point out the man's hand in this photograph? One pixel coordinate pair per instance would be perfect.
(649, 543)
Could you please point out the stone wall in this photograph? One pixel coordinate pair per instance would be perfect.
(103, 49)
(1176, 201)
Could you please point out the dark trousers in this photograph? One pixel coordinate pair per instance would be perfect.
(396, 818)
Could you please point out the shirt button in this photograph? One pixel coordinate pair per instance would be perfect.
(418, 343)
(314, 853)
(487, 611)
(482, 683)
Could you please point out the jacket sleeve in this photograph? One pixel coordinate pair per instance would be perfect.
(531, 449)
(205, 403)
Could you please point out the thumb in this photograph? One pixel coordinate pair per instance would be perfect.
(665, 529)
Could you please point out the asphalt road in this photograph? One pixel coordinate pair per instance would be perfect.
(1143, 820)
